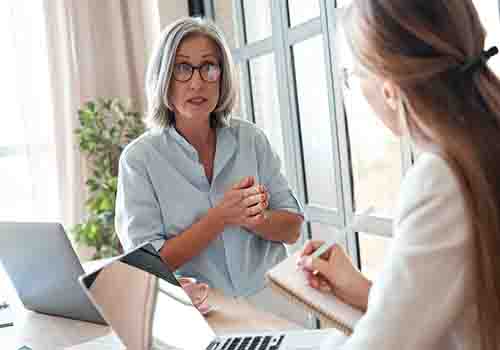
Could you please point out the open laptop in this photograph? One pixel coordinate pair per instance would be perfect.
(148, 309)
(44, 270)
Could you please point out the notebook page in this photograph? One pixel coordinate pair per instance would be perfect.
(286, 275)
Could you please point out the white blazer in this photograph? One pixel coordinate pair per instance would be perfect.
(423, 297)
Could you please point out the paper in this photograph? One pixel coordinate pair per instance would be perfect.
(292, 281)
(6, 315)
(108, 342)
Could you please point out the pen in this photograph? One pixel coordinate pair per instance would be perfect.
(327, 245)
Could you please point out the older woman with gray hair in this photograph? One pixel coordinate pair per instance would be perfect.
(205, 189)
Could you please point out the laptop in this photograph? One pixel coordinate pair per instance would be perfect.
(44, 270)
(147, 309)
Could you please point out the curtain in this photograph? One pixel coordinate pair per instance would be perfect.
(57, 55)
(28, 186)
(95, 49)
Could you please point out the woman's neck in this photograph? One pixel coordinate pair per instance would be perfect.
(198, 134)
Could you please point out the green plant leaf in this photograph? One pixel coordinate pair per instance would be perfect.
(107, 125)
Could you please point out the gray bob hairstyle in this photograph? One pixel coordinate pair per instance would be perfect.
(159, 113)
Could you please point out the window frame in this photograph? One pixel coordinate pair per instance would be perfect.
(281, 44)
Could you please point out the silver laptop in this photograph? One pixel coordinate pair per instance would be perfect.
(148, 309)
(44, 270)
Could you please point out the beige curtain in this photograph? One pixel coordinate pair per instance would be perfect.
(96, 49)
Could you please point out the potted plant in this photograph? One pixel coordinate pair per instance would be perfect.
(106, 127)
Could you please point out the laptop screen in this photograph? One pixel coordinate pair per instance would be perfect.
(141, 314)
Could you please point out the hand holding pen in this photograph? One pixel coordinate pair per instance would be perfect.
(329, 269)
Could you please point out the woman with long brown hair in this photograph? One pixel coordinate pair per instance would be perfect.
(423, 67)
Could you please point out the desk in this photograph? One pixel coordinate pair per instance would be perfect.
(42, 332)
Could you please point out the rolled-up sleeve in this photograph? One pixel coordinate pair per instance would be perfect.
(269, 169)
(138, 214)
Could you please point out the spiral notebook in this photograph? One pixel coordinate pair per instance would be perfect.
(285, 279)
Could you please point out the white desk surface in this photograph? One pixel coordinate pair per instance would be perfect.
(43, 332)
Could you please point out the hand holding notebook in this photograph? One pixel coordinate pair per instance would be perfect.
(287, 280)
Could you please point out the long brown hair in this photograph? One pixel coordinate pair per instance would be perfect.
(422, 46)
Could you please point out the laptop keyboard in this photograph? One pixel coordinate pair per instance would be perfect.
(248, 343)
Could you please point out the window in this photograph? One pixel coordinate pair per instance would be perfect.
(489, 11)
(300, 11)
(224, 17)
(315, 124)
(27, 155)
(265, 99)
(338, 157)
(293, 47)
(28, 190)
(257, 20)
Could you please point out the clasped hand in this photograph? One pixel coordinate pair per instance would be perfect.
(244, 204)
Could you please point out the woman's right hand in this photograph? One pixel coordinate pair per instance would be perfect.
(244, 204)
(334, 271)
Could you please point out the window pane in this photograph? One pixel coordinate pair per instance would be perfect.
(23, 197)
(239, 110)
(28, 177)
(376, 158)
(224, 17)
(300, 11)
(16, 198)
(489, 12)
(373, 251)
(375, 152)
(257, 19)
(315, 122)
(327, 233)
(265, 101)
(343, 3)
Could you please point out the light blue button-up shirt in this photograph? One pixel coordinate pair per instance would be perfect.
(163, 190)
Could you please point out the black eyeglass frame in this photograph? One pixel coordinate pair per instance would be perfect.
(199, 69)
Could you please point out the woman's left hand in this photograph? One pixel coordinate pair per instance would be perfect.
(259, 208)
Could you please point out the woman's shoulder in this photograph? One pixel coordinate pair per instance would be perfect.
(247, 132)
(430, 185)
(430, 170)
(143, 145)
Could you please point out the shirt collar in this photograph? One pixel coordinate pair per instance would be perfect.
(226, 146)
(172, 131)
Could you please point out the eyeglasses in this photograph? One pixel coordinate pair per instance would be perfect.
(209, 72)
(349, 78)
